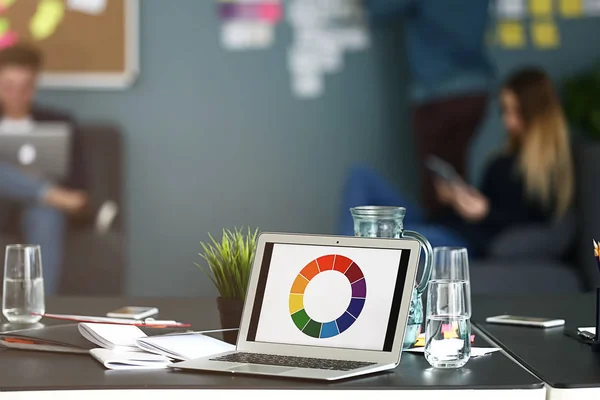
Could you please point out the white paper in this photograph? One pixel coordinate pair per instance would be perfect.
(475, 351)
(92, 7)
(304, 61)
(262, 36)
(591, 330)
(234, 35)
(511, 9)
(322, 31)
(109, 336)
(307, 86)
(304, 14)
(332, 62)
(591, 8)
(184, 346)
(243, 35)
(353, 39)
(123, 360)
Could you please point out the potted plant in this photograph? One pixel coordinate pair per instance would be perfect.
(229, 264)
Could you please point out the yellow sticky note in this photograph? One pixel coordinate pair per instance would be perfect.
(545, 34)
(420, 341)
(47, 17)
(571, 8)
(6, 3)
(511, 34)
(540, 8)
(4, 26)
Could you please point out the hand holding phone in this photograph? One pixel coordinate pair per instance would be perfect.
(442, 169)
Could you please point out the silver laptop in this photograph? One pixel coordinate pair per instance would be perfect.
(43, 151)
(322, 307)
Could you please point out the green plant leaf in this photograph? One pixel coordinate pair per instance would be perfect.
(229, 261)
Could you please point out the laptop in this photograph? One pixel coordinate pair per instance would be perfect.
(322, 307)
(42, 151)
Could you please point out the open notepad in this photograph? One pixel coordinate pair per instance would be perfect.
(184, 346)
(115, 359)
(127, 347)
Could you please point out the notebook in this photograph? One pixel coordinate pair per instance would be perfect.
(184, 346)
(121, 360)
(112, 337)
(60, 338)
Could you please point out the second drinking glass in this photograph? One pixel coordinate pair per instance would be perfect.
(448, 325)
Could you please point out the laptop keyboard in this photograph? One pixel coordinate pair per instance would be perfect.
(289, 361)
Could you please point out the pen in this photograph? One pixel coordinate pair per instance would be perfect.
(202, 332)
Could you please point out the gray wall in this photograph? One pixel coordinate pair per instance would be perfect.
(215, 140)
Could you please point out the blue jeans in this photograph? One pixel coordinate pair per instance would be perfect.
(41, 224)
(365, 187)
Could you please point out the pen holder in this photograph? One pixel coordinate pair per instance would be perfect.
(596, 342)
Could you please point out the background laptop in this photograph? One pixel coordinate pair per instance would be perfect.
(44, 150)
(322, 307)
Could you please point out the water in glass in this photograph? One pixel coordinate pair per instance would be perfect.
(447, 325)
(448, 334)
(23, 294)
(22, 298)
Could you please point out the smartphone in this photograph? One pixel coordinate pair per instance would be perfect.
(133, 312)
(442, 169)
(525, 321)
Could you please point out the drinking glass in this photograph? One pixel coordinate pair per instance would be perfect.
(23, 295)
(448, 326)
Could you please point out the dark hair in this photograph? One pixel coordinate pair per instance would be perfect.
(535, 93)
(22, 55)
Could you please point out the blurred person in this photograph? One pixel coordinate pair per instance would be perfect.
(43, 205)
(529, 181)
(450, 78)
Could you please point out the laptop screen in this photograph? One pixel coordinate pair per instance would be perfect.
(341, 297)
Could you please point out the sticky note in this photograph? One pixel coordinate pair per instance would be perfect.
(8, 39)
(511, 9)
(545, 34)
(47, 17)
(4, 26)
(540, 8)
(271, 12)
(511, 34)
(571, 8)
(7, 3)
(420, 341)
(591, 8)
(92, 7)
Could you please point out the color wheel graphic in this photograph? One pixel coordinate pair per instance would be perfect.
(321, 329)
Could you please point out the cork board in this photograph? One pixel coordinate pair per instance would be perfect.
(86, 43)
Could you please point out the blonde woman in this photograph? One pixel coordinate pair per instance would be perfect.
(529, 181)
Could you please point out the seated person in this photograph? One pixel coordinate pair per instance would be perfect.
(529, 181)
(43, 205)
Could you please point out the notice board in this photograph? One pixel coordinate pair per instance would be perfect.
(86, 43)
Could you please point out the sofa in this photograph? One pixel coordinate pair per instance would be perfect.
(532, 258)
(557, 258)
(94, 263)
